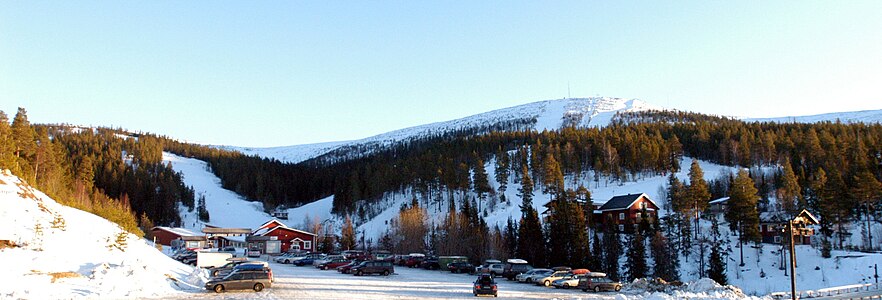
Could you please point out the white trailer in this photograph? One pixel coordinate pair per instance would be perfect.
(212, 259)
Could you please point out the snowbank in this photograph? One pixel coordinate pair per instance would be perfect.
(56, 252)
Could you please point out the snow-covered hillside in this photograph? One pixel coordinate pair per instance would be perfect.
(542, 115)
(51, 251)
(225, 207)
(864, 116)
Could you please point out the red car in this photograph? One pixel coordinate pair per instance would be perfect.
(414, 261)
(333, 264)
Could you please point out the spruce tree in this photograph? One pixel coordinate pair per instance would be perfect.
(866, 192)
(7, 145)
(612, 250)
(636, 257)
(502, 171)
(595, 261)
(716, 265)
(665, 258)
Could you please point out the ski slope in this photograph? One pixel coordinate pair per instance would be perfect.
(539, 116)
(65, 253)
(864, 116)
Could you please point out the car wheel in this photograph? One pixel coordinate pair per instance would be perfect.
(359, 273)
(547, 283)
(325, 268)
(597, 289)
(529, 280)
(258, 287)
(287, 262)
(214, 273)
(219, 288)
(618, 288)
(566, 286)
(386, 273)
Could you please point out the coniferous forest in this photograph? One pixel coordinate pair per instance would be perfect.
(831, 169)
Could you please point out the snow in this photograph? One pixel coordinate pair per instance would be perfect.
(310, 283)
(73, 257)
(225, 207)
(864, 116)
(549, 115)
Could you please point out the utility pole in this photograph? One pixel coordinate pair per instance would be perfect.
(792, 263)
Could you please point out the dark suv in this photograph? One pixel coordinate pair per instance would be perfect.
(485, 285)
(511, 269)
(241, 280)
(373, 267)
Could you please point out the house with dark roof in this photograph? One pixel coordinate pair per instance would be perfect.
(625, 212)
(178, 237)
(275, 237)
(774, 224)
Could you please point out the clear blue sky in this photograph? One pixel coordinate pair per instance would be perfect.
(265, 73)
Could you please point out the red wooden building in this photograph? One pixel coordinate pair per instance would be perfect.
(773, 227)
(290, 238)
(168, 235)
(624, 212)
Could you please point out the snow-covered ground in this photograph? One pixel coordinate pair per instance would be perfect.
(310, 283)
(65, 253)
(864, 116)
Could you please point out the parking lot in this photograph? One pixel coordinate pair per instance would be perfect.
(307, 282)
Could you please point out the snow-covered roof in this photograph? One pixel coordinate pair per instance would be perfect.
(721, 200)
(177, 231)
(624, 201)
(265, 231)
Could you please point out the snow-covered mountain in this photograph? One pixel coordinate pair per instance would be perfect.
(864, 116)
(542, 115)
(51, 251)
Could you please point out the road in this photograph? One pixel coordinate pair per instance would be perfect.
(310, 283)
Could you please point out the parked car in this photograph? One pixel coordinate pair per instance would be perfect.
(308, 260)
(547, 280)
(513, 267)
(486, 265)
(252, 253)
(256, 279)
(527, 276)
(460, 267)
(566, 282)
(333, 264)
(228, 267)
(188, 257)
(485, 285)
(414, 259)
(228, 249)
(536, 277)
(373, 267)
(430, 263)
(286, 258)
(345, 268)
(596, 281)
(354, 254)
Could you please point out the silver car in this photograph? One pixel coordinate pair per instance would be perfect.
(527, 276)
(538, 276)
(255, 280)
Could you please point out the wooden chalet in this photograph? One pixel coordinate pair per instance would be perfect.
(773, 225)
(275, 237)
(625, 212)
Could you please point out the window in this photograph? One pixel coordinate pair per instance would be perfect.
(621, 216)
(621, 227)
(307, 245)
(639, 216)
(642, 205)
(777, 239)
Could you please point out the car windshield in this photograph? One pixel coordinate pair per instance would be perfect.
(485, 280)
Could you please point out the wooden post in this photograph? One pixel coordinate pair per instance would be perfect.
(792, 264)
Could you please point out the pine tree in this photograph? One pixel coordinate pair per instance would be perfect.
(25, 146)
(789, 195)
(511, 238)
(742, 214)
(636, 257)
(7, 146)
(866, 192)
(502, 171)
(202, 210)
(552, 179)
(530, 235)
(698, 194)
(481, 184)
(526, 189)
(347, 235)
